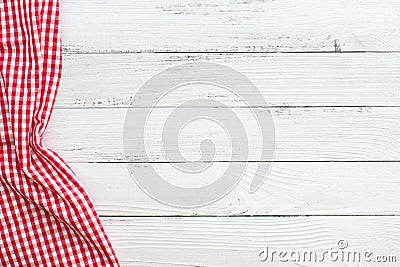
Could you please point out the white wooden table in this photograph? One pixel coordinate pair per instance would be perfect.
(334, 94)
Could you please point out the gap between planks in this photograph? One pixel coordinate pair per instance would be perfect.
(249, 216)
(66, 52)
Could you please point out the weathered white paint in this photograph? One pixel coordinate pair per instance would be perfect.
(312, 188)
(302, 134)
(358, 79)
(230, 25)
(102, 71)
(235, 241)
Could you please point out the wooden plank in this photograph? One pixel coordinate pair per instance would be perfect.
(237, 241)
(283, 79)
(290, 188)
(302, 134)
(227, 25)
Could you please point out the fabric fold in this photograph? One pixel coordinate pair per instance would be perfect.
(47, 218)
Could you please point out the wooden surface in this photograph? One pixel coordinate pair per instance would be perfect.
(227, 25)
(334, 79)
(302, 134)
(235, 241)
(335, 174)
(295, 188)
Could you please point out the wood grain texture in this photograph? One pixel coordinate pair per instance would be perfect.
(226, 25)
(290, 188)
(236, 241)
(283, 79)
(316, 134)
(336, 118)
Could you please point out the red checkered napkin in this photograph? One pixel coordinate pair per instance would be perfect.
(47, 218)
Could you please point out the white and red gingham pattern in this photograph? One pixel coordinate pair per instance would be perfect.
(47, 218)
